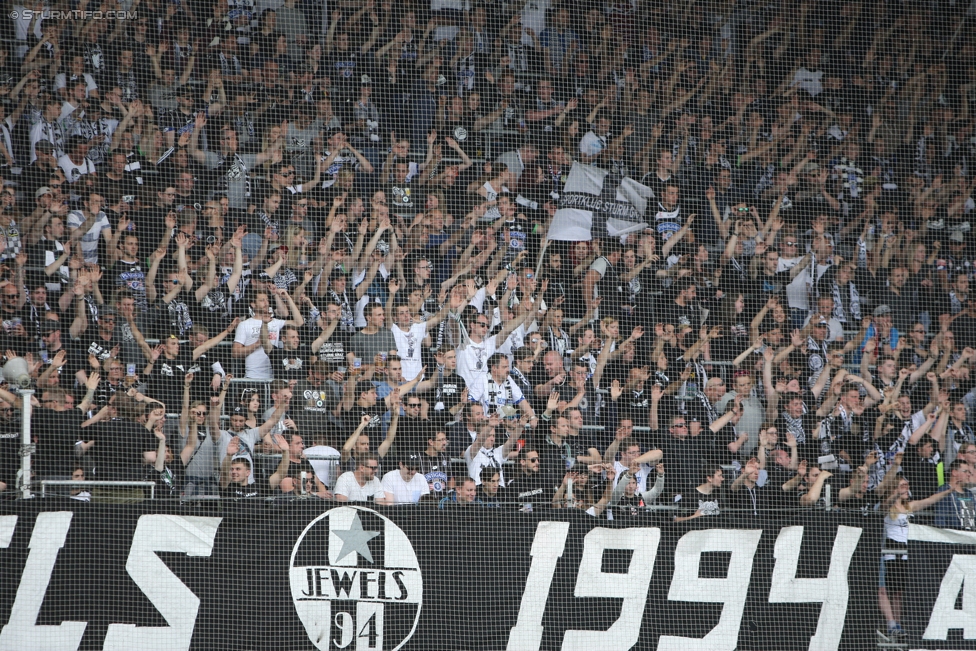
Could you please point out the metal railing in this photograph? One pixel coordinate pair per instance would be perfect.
(97, 483)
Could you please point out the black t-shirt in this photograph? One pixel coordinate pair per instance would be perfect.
(167, 378)
(236, 491)
(43, 253)
(753, 501)
(295, 471)
(530, 489)
(335, 348)
(676, 315)
(10, 453)
(412, 435)
(437, 471)
(684, 459)
(318, 402)
(119, 445)
(56, 433)
(132, 276)
(91, 343)
(374, 430)
(111, 190)
(291, 364)
(448, 394)
(771, 286)
(921, 473)
(401, 199)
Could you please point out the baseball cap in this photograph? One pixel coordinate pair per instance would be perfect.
(882, 310)
(362, 386)
(238, 411)
(41, 191)
(48, 326)
(412, 461)
(107, 310)
(957, 236)
(821, 322)
(44, 145)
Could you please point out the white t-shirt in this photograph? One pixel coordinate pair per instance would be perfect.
(257, 365)
(404, 492)
(72, 172)
(472, 360)
(408, 348)
(348, 486)
(89, 241)
(515, 341)
(796, 291)
(642, 474)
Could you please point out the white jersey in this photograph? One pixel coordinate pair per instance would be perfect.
(409, 345)
(498, 397)
(472, 360)
(486, 458)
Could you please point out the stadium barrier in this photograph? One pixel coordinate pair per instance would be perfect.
(308, 575)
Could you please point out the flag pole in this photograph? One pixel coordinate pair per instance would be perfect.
(542, 253)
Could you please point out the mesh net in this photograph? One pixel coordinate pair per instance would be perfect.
(659, 311)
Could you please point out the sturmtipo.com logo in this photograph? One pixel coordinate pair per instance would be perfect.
(356, 582)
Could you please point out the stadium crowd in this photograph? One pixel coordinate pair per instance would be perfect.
(353, 208)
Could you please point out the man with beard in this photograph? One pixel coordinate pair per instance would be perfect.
(435, 464)
(531, 486)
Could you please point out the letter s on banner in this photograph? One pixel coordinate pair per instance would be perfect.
(832, 591)
(547, 547)
(191, 535)
(21, 633)
(730, 591)
(592, 581)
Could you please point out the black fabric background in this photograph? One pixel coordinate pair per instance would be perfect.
(474, 564)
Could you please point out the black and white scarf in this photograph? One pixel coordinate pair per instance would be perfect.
(853, 308)
(795, 427)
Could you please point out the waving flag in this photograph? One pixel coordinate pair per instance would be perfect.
(596, 203)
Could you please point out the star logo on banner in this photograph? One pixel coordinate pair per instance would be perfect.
(355, 539)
